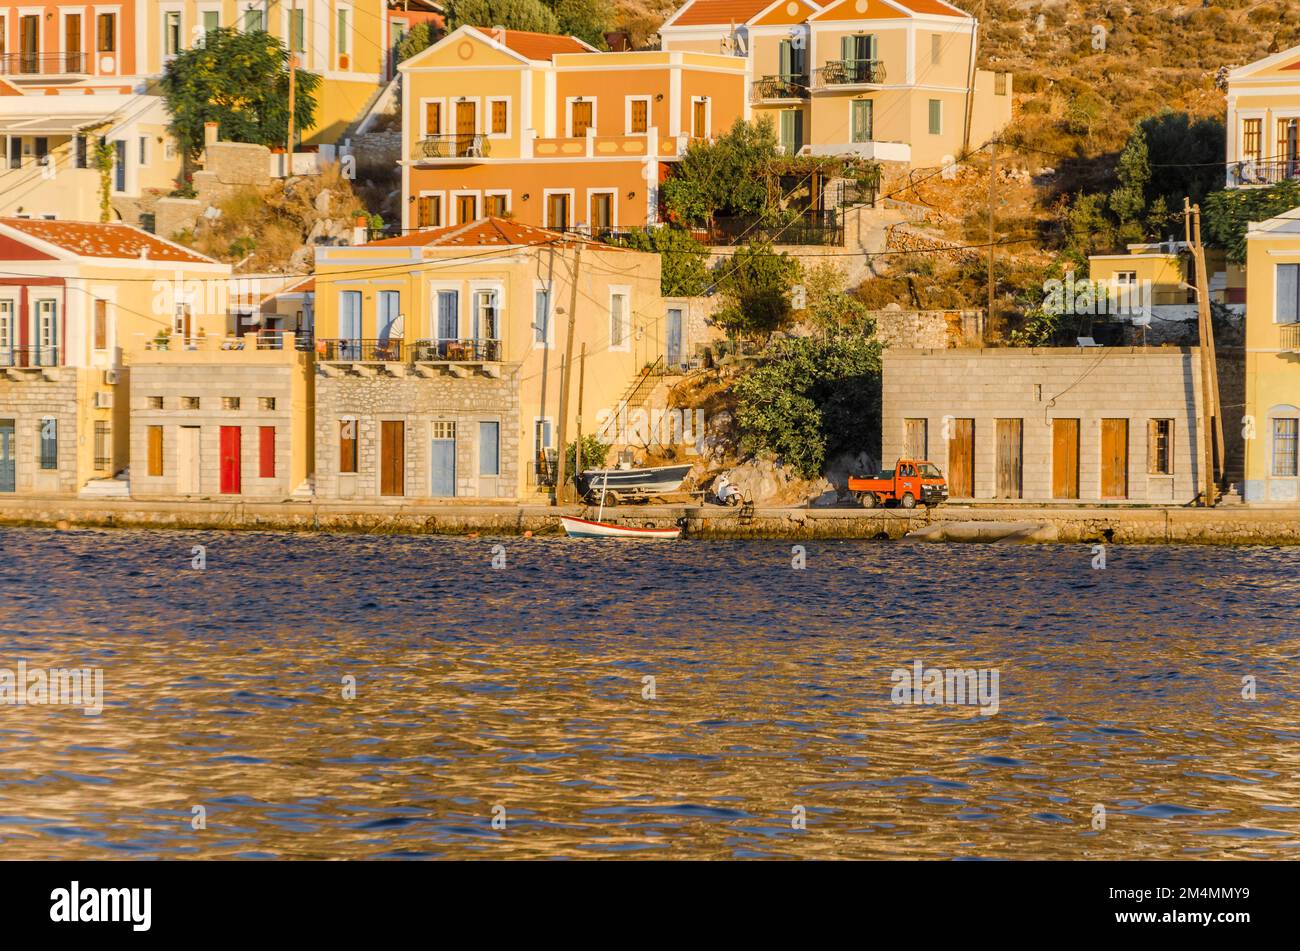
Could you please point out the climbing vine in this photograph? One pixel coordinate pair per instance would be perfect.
(104, 156)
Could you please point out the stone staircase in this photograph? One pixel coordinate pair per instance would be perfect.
(306, 491)
(118, 487)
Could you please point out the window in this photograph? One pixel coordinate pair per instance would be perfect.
(297, 33)
(916, 438)
(500, 116)
(343, 35)
(448, 315)
(81, 155)
(1285, 432)
(936, 117)
(638, 121)
(1251, 139)
(557, 211)
(1126, 278)
(49, 430)
(485, 315)
(253, 21)
(432, 118)
(266, 404)
(230, 402)
(428, 211)
(103, 445)
(1160, 447)
(863, 116)
(144, 150)
(791, 131)
(1288, 294)
(542, 433)
(154, 402)
(347, 445)
(936, 49)
(792, 61)
(541, 315)
(700, 119)
(618, 330)
(101, 325)
(495, 205)
(171, 33)
(489, 448)
(189, 402)
(1000, 83)
(212, 20)
(106, 32)
(580, 118)
(155, 441)
(266, 452)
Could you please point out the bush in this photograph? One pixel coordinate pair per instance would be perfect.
(683, 259)
(593, 454)
(755, 284)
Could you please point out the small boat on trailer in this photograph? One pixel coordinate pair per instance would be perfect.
(585, 528)
(621, 484)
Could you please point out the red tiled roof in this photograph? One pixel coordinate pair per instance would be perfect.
(937, 7)
(486, 233)
(99, 240)
(539, 45)
(720, 12)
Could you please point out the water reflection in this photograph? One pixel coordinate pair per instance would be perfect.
(524, 689)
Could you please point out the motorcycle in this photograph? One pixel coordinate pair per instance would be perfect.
(724, 493)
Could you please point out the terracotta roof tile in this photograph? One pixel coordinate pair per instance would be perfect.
(937, 7)
(720, 12)
(99, 240)
(540, 45)
(487, 233)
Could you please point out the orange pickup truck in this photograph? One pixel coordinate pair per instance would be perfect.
(912, 481)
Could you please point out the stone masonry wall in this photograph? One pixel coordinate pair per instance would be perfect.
(27, 401)
(419, 402)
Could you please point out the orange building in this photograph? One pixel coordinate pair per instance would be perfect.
(550, 132)
(51, 46)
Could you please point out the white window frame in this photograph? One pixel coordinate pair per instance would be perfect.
(496, 288)
(550, 424)
(1277, 317)
(9, 338)
(164, 12)
(434, 288)
(546, 206)
(200, 12)
(487, 117)
(627, 114)
(460, 193)
(1272, 445)
(63, 35)
(624, 291)
(442, 222)
(344, 10)
(442, 114)
(488, 192)
(613, 205)
(568, 115)
(548, 339)
(928, 103)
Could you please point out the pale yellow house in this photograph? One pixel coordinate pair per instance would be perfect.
(1263, 120)
(439, 356)
(1271, 425)
(76, 301)
(1159, 272)
(891, 80)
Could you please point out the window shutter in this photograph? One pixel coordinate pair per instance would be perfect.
(1288, 293)
(266, 452)
(846, 47)
(155, 450)
(1153, 456)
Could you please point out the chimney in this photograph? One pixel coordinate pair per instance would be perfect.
(360, 227)
(210, 133)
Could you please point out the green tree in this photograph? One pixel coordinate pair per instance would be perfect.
(830, 308)
(722, 177)
(756, 284)
(683, 259)
(529, 15)
(811, 399)
(1227, 214)
(586, 19)
(417, 39)
(240, 81)
(593, 455)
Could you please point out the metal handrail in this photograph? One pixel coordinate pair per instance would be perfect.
(455, 145)
(29, 357)
(841, 72)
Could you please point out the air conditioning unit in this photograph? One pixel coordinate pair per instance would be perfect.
(110, 378)
(103, 399)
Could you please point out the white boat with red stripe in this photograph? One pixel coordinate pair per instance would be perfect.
(585, 528)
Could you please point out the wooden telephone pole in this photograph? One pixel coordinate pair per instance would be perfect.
(561, 467)
(1211, 413)
(993, 175)
(293, 69)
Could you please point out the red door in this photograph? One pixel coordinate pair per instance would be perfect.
(230, 459)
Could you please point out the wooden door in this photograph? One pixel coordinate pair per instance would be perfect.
(442, 460)
(188, 460)
(961, 458)
(466, 209)
(581, 119)
(602, 211)
(557, 211)
(699, 124)
(1010, 462)
(72, 42)
(8, 456)
(914, 439)
(231, 458)
(155, 450)
(1114, 458)
(1065, 458)
(392, 457)
(466, 121)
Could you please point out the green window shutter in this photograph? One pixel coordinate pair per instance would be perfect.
(846, 47)
(862, 110)
(870, 52)
(936, 117)
(787, 58)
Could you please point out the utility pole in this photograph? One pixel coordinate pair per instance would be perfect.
(582, 376)
(561, 473)
(993, 175)
(293, 69)
(1212, 417)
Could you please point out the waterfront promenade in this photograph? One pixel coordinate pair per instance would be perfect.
(1227, 525)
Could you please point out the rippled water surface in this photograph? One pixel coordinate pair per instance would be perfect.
(521, 693)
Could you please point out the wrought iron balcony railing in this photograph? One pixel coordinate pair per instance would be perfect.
(1266, 172)
(457, 145)
(456, 351)
(794, 86)
(850, 72)
(29, 357)
(43, 64)
(1290, 342)
(396, 350)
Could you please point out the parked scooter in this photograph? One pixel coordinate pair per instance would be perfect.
(724, 493)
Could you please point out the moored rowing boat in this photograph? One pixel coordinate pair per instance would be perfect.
(585, 528)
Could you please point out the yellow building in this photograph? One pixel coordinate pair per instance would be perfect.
(439, 356)
(543, 129)
(891, 80)
(76, 301)
(345, 42)
(1159, 273)
(1272, 414)
(1263, 120)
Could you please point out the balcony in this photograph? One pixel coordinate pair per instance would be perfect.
(1249, 172)
(29, 357)
(850, 72)
(779, 88)
(457, 147)
(1290, 338)
(21, 65)
(217, 349)
(396, 350)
